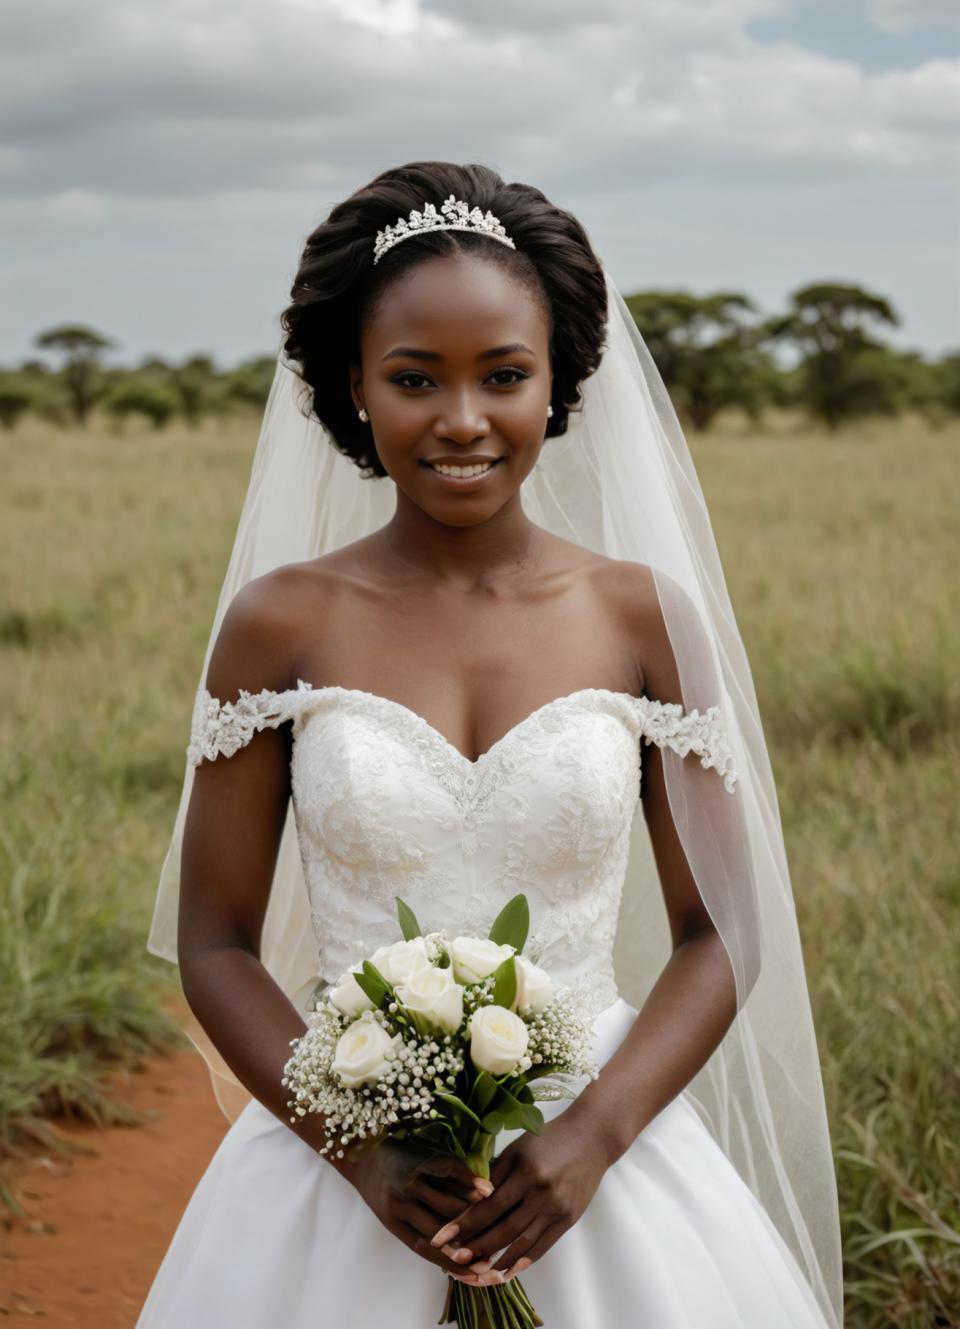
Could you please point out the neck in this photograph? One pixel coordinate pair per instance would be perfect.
(463, 558)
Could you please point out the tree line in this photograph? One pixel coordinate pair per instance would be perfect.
(714, 352)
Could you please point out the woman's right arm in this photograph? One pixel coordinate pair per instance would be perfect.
(232, 832)
(231, 838)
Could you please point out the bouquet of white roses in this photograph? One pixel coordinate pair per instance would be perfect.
(441, 1042)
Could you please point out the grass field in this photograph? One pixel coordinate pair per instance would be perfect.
(841, 557)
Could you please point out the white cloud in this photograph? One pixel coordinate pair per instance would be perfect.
(147, 99)
(396, 17)
(168, 127)
(81, 205)
(898, 15)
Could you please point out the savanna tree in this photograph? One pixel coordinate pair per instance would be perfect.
(843, 370)
(707, 355)
(15, 399)
(140, 396)
(82, 347)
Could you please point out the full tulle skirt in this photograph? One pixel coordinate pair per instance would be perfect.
(273, 1237)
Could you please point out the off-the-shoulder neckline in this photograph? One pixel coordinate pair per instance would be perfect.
(484, 758)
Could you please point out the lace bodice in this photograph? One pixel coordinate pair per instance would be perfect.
(385, 805)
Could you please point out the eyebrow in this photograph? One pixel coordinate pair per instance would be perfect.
(495, 351)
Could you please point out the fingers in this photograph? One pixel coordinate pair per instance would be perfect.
(505, 1234)
(454, 1173)
(445, 1203)
(485, 1213)
(414, 1227)
(522, 1247)
(552, 1231)
(533, 1242)
(496, 1275)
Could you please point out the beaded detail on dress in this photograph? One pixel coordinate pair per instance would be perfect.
(385, 805)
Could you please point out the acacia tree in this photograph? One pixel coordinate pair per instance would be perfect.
(15, 399)
(250, 382)
(81, 346)
(195, 383)
(828, 322)
(707, 355)
(139, 396)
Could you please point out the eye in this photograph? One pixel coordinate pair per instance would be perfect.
(519, 376)
(514, 376)
(407, 374)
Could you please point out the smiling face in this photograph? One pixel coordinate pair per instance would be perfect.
(456, 366)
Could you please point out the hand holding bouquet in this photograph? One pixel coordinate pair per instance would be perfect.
(440, 1043)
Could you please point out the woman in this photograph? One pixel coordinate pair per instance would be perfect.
(476, 575)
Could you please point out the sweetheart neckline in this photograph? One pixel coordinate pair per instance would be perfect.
(483, 758)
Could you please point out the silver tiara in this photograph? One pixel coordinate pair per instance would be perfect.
(459, 217)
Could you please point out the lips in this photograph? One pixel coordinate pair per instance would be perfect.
(492, 461)
(474, 480)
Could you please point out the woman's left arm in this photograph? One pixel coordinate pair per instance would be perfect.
(544, 1183)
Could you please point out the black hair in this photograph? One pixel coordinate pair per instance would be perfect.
(338, 286)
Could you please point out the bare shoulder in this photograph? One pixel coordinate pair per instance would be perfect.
(633, 594)
(261, 637)
(254, 647)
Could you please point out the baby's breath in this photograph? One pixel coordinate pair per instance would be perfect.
(404, 1092)
(559, 1035)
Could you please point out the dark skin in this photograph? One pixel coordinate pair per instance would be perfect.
(461, 609)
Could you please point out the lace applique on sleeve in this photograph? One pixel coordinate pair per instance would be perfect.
(667, 725)
(225, 727)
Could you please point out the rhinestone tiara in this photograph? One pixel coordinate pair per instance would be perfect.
(457, 216)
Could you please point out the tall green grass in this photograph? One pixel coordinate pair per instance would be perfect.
(841, 558)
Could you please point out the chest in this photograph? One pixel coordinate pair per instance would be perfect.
(475, 666)
(374, 781)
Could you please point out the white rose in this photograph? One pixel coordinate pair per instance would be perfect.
(436, 995)
(348, 996)
(362, 1054)
(398, 961)
(474, 958)
(534, 988)
(498, 1039)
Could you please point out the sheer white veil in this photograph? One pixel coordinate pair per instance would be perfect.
(620, 482)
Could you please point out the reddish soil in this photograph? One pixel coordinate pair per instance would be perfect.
(84, 1254)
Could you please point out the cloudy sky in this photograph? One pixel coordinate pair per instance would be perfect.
(161, 163)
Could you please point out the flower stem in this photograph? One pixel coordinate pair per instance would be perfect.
(502, 1306)
(478, 1160)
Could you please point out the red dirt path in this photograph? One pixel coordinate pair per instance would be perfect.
(84, 1254)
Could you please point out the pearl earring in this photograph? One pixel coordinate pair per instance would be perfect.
(549, 411)
(363, 415)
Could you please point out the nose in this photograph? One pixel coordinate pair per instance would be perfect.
(462, 420)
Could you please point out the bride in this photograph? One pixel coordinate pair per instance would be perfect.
(475, 572)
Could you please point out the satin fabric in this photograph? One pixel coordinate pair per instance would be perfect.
(672, 1239)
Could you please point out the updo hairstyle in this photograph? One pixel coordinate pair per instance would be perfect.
(338, 286)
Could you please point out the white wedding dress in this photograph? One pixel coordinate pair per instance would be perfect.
(385, 805)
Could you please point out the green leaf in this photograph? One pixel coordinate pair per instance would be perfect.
(374, 984)
(500, 1120)
(408, 920)
(436, 1133)
(505, 983)
(532, 1118)
(485, 1090)
(512, 924)
(456, 1103)
(510, 1114)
